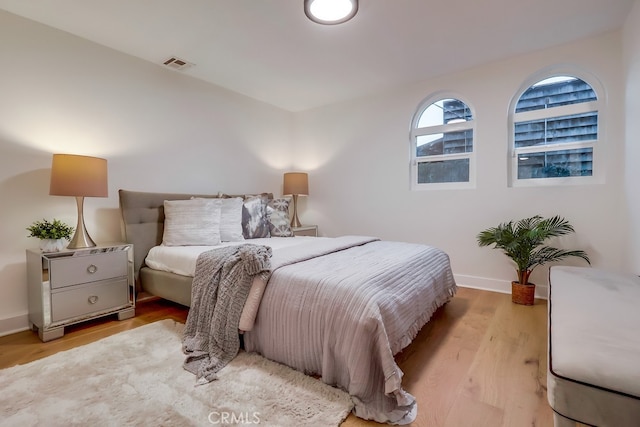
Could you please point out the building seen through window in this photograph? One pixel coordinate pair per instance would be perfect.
(442, 143)
(555, 128)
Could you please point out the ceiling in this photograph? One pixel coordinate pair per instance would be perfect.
(270, 51)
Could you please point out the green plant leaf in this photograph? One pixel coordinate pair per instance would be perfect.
(55, 229)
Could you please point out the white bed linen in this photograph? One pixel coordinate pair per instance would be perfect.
(182, 259)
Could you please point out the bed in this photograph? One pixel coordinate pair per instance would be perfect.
(339, 308)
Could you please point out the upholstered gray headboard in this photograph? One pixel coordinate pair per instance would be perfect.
(143, 220)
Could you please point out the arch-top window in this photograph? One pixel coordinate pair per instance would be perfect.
(442, 144)
(555, 132)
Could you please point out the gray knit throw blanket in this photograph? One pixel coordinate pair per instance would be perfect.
(221, 284)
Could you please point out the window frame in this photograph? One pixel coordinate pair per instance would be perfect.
(598, 164)
(416, 132)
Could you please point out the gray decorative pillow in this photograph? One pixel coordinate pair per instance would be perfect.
(194, 222)
(254, 217)
(278, 216)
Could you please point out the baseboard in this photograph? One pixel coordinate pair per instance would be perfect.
(11, 325)
(494, 285)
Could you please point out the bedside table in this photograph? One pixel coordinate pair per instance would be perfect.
(305, 230)
(75, 285)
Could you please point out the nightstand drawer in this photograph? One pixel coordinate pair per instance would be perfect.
(305, 230)
(73, 270)
(88, 299)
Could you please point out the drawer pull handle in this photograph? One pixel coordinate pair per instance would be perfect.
(93, 299)
(92, 269)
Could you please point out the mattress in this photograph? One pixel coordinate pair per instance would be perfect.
(182, 260)
(594, 346)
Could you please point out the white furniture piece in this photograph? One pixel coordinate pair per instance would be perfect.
(75, 285)
(305, 230)
(593, 374)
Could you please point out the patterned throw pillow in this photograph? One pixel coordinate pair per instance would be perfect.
(254, 217)
(278, 216)
(192, 222)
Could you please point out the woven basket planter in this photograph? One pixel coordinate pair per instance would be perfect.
(523, 294)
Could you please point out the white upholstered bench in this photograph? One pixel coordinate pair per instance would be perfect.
(594, 347)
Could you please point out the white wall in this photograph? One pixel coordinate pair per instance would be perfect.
(159, 130)
(631, 36)
(359, 156)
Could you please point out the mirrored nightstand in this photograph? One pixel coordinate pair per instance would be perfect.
(75, 285)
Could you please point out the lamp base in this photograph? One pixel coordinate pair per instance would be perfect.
(81, 238)
(295, 222)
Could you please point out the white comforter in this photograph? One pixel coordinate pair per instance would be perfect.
(341, 308)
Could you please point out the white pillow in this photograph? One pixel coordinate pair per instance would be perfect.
(231, 220)
(192, 222)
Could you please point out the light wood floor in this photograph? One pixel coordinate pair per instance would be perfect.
(480, 361)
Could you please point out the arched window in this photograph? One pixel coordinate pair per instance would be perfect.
(556, 126)
(442, 152)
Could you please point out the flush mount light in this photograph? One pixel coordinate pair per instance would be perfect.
(330, 12)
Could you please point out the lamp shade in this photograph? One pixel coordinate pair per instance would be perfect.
(79, 176)
(296, 183)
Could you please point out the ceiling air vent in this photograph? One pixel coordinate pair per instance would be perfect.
(177, 63)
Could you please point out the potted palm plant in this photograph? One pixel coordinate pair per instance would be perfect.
(522, 242)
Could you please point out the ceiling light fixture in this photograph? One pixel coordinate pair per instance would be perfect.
(330, 12)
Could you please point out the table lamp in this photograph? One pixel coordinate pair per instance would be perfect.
(80, 177)
(295, 184)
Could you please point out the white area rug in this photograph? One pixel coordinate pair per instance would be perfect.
(136, 378)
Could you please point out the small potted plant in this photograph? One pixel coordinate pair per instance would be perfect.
(51, 234)
(522, 242)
